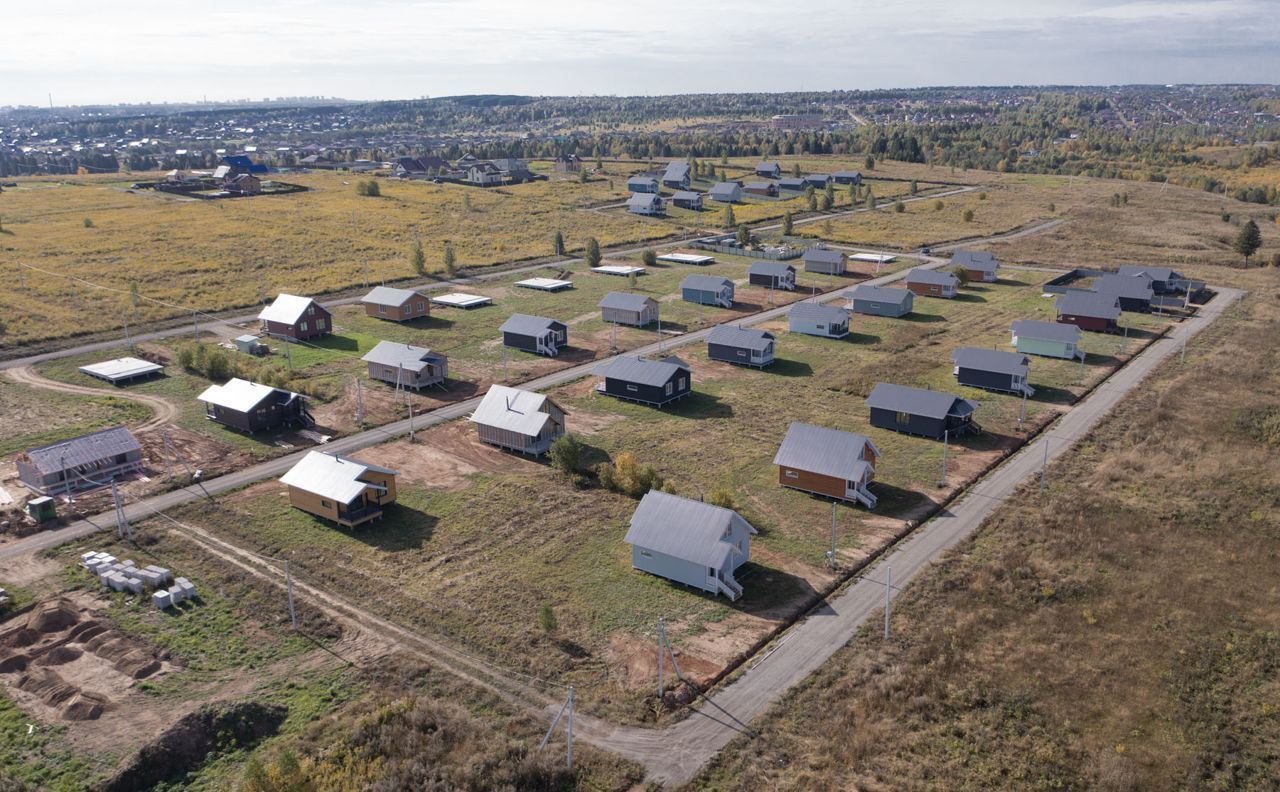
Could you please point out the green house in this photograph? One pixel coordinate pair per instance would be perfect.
(1047, 339)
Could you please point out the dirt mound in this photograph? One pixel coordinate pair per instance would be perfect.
(84, 630)
(211, 729)
(16, 639)
(47, 686)
(84, 706)
(53, 616)
(59, 655)
(12, 664)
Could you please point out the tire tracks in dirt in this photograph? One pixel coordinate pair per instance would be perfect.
(163, 411)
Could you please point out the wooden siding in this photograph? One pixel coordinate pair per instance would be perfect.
(431, 375)
(929, 290)
(813, 482)
(634, 318)
(415, 308)
(1094, 323)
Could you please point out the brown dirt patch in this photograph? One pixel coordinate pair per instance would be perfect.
(444, 457)
(633, 663)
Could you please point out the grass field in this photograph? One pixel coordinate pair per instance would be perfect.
(30, 417)
(479, 539)
(1109, 635)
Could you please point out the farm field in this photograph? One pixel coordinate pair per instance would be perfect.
(1097, 637)
(480, 540)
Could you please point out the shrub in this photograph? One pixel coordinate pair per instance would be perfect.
(649, 258)
(593, 252)
(88, 222)
(982, 196)
(937, 205)
(566, 454)
(961, 274)
(368, 188)
(547, 618)
(627, 476)
(722, 497)
(968, 215)
(899, 207)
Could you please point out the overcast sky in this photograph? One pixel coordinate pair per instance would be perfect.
(91, 51)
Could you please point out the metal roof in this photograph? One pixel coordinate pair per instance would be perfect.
(1135, 286)
(825, 255)
(981, 260)
(121, 368)
(385, 295)
(790, 183)
(331, 476)
(706, 283)
(640, 179)
(682, 528)
(827, 452)
(1046, 331)
(992, 360)
(644, 199)
(878, 294)
(1083, 303)
(768, 166)
(919, 275)
(524, 324)
(759, 185)
(685, 195)
(848, 174)
(918, 401)
(84, 450)
(725, 188)
(776, 269)
(1155, 273)
(819, 311)
(513, 409)
(740, 337)
(640, 371)
(287, 309)
(626, 301)
(676, 170)
(393, 353)
(239, 395)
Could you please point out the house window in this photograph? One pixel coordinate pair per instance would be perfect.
(320, 324)
(646, 554)
(632, 388)
(668, 389)
(422, 307)
(741, 353)
(311, 310)
(324, 504)
(382, 309)
(682, 383)
(302, 327)
(903, 418)
(791, 474)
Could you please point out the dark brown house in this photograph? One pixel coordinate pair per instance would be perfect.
(296, 318)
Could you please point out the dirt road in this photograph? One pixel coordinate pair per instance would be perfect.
(163, 411)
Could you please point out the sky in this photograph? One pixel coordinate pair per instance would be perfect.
(90, 51)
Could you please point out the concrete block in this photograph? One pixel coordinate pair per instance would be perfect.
(117, 581)
(176, 594)
(127, 563)
(134, 585)
(161, 600)
(188, 588)
(107, 558)
(105, 577)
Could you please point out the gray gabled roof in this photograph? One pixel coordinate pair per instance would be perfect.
(1083, 303)
(934, 277)
(776, 269)
(918, 401)
(878, 294)
(824, 255)
(992, 360)
(819, 311)
(790, 182)
(84, 450)
(626, 301)
(741, 337)
(676, 170)
(385, 295)
(827, 452)
(1135, 286)
(725, 188)
(397, 355)
(640, 178)
(682, 528)
(640, 371)
(1047, 331)
(685, 195)
(526, 325)
(758, 185)
(1155, 273)
(980, 260)
(848, 174)
(705, 283)
(768, 166)
(644, 199)
(513, 409)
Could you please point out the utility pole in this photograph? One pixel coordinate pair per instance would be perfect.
(1044, 467)
(946, 438)
(1182, 357)
(127, 341)
(122, 522)
(195, 326)
(288, 355)
(288, 587)
(1083, 355)
(662, 650)
(831, 554)
(567, 706)
(569, 749)
(1022, 414)
(888, 587)
(359, 403)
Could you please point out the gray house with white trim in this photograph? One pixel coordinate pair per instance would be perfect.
(626, 308)
(642, 184)
(648, 204)
(772, 275)
(726, 192)
(653, 382)
(817, 319)
(535, 334)
(707, 290)
(879, 301)
(406, 365)
(690, 542)
(518, 420)
(917, 411)
(992, 369)
(824, 261)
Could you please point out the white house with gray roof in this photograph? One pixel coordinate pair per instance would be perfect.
(690, 542)
(818, 319)
(649, 204)
(824, 261)
(726, 192)
(405, 365)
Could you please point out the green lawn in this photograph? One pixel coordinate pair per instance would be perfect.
(30, 417)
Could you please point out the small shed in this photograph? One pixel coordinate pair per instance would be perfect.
(626, 308)
(879, 301)
(817, 319)
(992, 369)
(250, 345)
(927, 413)
(518, 420)
(253, 407)
(685, 199)
(1133, 291)
(1047, 339)
(742, 346)
(726, 192)
(847, 177)
(931, 283)
(406, 366)
(767, 189)
(338, 488)
(649, 204)
(295, 318)
(642, 184)
(1089, 310)
(828, 462)
(825, 261)
(84, 462)
(396, 305)
(536, 334)
(769, 170)
(653, 382)
(689, 542)
(707, 290)
(980, 265)
(772, 275)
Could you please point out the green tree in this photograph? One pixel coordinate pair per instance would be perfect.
(853, 194)
(870, 162)
(870, 200)
(938, 205)
(810, 198)
(88, 222)
(744, 235)
(722, 497)
(899, 206)
(582, 176)
(418, 259)
(913, 188)
(787, 224)
(961, 274)
(729, 220)
(566, 454)
(795, 171)
(968, 215)
(649, 258)
(450, 260)
(1053, 207)
(1248, 241)
(547, 619)
(632, 280)
(557, 244)
(593, 252)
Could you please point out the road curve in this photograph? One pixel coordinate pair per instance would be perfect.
(163, 411)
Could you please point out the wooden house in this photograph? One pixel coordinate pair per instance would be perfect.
(626, 308)
(772, 275)
(742, 346)
(916, 411)
(252, 407)
(347, 491)
(85, 462)
(828, 462)
(690, 542)
(931, 283)
(818, 319)
(642, 184)
(1089, 310)
(535, 334)
(707, 290)
(818, 181)
(879, 301)
(794, 184)
(726, 192)
(647, 204)
(825, 261)
(769, 170)
(243, 184)
(1047, 339)
(847, 177)
(654, 382)
(295, 318)
(395, 305)
(685, 199)
(979, 265)
(406, 366)
(567, 163)
(767, 189)
(992, 369)
(676, 176)
(1134, 292)
(518, 420)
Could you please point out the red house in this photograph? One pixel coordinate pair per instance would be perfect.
(297, 318)
(1089, 310)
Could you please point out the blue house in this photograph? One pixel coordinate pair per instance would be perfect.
(642, 184)
(707, 290)
(879, 301)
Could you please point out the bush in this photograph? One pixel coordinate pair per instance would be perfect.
(722, 497)
(899, 207)
(369, 188)
(961, 274)
(593, 252)
(566, 454)
(88, 222)
(968, 215)
(627, 476)
(937, 205)
(547, 618)
(649, 258)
